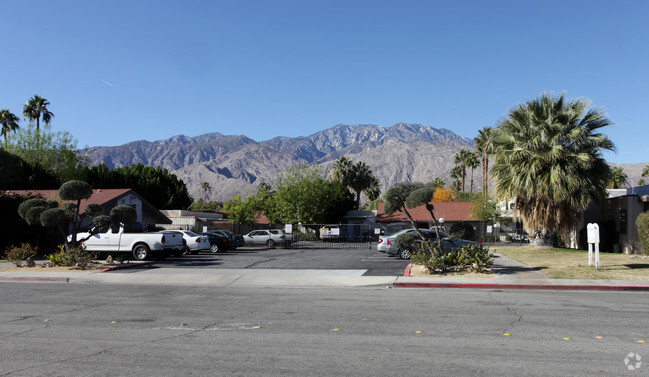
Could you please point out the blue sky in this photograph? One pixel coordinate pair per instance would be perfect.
(120, 71)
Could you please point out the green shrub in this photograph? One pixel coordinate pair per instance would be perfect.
(642, 222)
(20, 255)
(462, 231)
(471, 257)
(73, 256)
(404, 240)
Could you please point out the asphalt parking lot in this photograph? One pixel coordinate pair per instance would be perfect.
(374, 262)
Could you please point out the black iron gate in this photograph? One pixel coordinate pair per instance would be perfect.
(331, 236)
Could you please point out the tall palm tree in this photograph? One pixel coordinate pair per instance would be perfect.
(484, 146)
(360, 178)
(374, 191)
(618, 177)
(35, 109)
(460, 159)
(9, 123)
(456, 174)
(206, 187)
(341, 169)
(548, 157)
(472, 162)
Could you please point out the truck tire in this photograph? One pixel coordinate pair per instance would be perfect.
(141, 252)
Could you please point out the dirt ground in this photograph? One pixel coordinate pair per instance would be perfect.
(419, 270)
(45, 267)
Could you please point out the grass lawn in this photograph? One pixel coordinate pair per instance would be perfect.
(573, 264)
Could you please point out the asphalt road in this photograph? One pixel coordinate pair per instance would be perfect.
(375, 262)
(58, 329)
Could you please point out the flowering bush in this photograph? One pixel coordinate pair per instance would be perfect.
(20, 255)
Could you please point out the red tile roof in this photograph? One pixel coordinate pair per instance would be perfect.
(450, 211)
(99, 196)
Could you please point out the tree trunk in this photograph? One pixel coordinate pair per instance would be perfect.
(543, 238)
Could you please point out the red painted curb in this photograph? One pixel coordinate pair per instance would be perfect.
(47, 278)
(128, 265)
(552, 287)
(407, 272)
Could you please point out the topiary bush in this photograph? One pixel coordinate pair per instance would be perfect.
(404, 241)
(462, 231)
(642, 223)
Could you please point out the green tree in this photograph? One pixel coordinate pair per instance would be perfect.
(36, 109)
(548, 157)
(461, 159)
(9, 122)
(486, 210)
(159, 187)
(75, 191)
(456, 174)
(618, 178)
(58, 152)
(484, 147)
(206, 187)
(200, 205)
(358, 177)
(18, 174)
(437, 182)
(304, 194)
(374, 190)
(472, 162)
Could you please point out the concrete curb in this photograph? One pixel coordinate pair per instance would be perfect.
(35, 278)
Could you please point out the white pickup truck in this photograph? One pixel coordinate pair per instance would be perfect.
(142, 245)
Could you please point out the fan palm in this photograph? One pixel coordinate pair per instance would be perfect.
(472, 162)
(461, 159)
(9, 123)
(618, 177)
(35, 109)
(484, 146)
(360, 178)
(645, 171)
(548, 157)
(456, 174)
(341, 169)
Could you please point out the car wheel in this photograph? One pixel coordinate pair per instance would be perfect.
(181, 252)
(270, 243)
(141, 252)
(404, 254)
(214, 248)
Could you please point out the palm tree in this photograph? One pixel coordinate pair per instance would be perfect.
(472, 162)
(9, 123)
(484, 146)
(645, 171)
(35, 109)
(618, 177)
(340, 172)
(437, 182)
(456, 173)
(460, 159)
(205, 186)
(360, 178)
(374, 191)
(548, 157)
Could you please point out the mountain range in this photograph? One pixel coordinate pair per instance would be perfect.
(234, 164)
(237, 164)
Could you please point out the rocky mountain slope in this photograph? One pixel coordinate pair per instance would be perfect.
(237, 164)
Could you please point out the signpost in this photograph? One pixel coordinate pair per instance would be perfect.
(593, 239)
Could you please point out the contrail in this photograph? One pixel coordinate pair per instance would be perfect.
(106, 82)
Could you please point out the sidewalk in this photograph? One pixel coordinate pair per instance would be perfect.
(509, 274)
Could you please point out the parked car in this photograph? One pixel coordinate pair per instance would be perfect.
(387, 243)
(235, 239)
(218, 242)
(131, 239)
(265, 237)
(194, 243)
